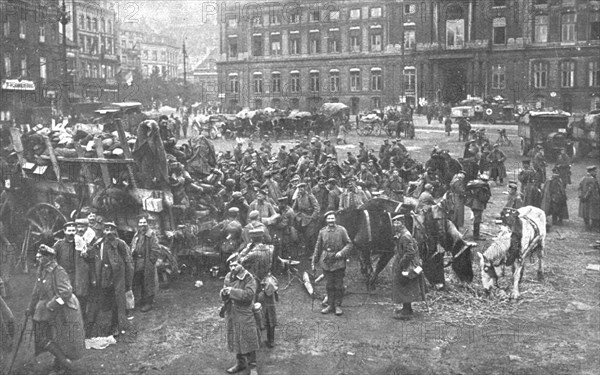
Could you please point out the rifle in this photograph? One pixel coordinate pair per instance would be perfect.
(12, 362)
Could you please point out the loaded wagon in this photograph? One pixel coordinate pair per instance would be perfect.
(546, 128)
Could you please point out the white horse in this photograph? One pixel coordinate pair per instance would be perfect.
(505, 250)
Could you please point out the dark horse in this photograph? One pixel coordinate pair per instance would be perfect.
(370, 229)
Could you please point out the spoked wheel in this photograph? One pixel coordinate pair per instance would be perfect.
(45, 222)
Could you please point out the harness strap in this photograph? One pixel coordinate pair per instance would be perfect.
(368, 219)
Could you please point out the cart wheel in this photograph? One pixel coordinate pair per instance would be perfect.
(45, 221)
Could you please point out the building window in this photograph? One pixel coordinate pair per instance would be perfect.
(103, 71)
(276, 44)
(22, 30)
(595, 26)
(43, 67)
(295, 82)
(146, 70)
(103, 25)
(540, 74)
(594, 74)
(276, 82)
(354, 14)
(42, 34)
(376, 102)
(455, 27)
(355, 84)
(498, 77)
(257, 20)
(232, 23)
(163, 56)
(314, 83)
(145, 53)
(154, 55)
(568, 27)
(234, 84)
(81, 24)
(409, 39)
(88, 23)
(94, 71)
(355, 42)
(540, 30)
(314, 43)
(334, 81)
(233, 48)
(567, 74)
(7, 65)
(109, 72)
(499, 31)
(376, 79)
(335, 44)
(376, 42)
(314, 16)
(258, 83)
(294, 45)
(95, 24)
(499, 3)
(24, 66)
(82, 43)
(110, 27)
(410, 79)
(274, 19)
(109, 47)
(123, 43)
(375, 12)
(410, 8)
(6, 27)
(295, 17)
(334, 15)
(257, 45)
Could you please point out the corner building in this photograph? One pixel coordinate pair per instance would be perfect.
(370, 54)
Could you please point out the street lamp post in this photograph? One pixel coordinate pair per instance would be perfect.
(64, 20)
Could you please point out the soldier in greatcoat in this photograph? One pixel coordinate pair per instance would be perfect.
(496, 159)
(307, 211)
(76, 262)
(238, 294)
(145, 251)
(408, 283)
(554, 200)
(114, 273)
(589, 199)
(530, 183)
(57, 321)
(457, 199)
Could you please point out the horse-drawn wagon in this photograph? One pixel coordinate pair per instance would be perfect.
(52, 175)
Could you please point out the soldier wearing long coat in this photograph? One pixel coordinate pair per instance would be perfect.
(554, 201)
(239, 291)
(408, 284)
(457, 199)
(58, 325)
(145, 251)
(497, 169)
(589, 198)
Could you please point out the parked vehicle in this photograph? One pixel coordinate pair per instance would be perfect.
(586, 134)
(548, 128)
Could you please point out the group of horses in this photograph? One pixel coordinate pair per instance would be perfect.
(371, 229)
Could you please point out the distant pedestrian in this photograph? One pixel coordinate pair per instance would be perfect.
(448, 126)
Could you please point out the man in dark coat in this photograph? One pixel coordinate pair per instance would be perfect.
(76, 263)
(532, 195)
(238, 294)
(145, 252)
(307, 211)
(331, 250)
(114, 273)
(554, 200)
(589, 199)
(515, 198)
(478, 195)
(408, 283)
(564, 167)
(496, 158)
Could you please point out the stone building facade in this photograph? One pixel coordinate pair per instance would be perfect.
(370, 54)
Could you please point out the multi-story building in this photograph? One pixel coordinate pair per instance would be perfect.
(131, 37)
(369, 53)
(206, 79)
(94, 62)
(160, 54)
(31, 65)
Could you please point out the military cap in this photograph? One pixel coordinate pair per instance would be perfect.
(253, 215)
(283, 200)
(512, 185)
(69, 224)
(295, 178)
(484, 177)
(330, 213)
(110, 224)
(332, 181)
(236, 194)
(398, 217)
(233, 210)
(263, 192)
(258, 232)
(46, 250)
(302, 184)
(82, 221)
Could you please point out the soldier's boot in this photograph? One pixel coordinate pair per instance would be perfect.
(476, 234)
(147, 304)
(63, 361)
(239, 366)
(270, 336)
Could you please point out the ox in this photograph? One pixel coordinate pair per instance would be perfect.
(524, 236)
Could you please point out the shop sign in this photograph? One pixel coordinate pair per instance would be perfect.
(18, 85)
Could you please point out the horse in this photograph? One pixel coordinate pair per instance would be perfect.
(432, 227)
(525, 236)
